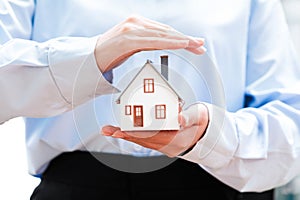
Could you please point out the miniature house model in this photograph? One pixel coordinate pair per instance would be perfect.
(149, 102)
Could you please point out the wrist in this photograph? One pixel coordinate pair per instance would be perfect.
(97, 54)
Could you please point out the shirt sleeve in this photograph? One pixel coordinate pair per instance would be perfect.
(43, 79)
(257, 148)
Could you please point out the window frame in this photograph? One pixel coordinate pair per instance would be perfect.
(160, 111)
(149, 85)
(128, 108)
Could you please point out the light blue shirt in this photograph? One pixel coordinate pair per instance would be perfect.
(257, 147)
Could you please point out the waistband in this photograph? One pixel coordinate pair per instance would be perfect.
(87, 169)
(92, 169)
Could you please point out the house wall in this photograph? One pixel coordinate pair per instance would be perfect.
(134, 95)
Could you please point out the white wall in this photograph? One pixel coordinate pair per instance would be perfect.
(292, 10)
(15, 182)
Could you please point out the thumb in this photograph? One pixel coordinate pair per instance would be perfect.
(195, 114)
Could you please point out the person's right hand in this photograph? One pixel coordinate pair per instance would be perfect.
(137, 34)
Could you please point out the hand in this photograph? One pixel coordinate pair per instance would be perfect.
(137, 34)
(193, 123)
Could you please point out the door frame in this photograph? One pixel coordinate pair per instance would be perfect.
(138, 120)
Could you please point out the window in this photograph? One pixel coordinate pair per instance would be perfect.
(138, 111)
(160, 111)
(149, 85)
(127, 110)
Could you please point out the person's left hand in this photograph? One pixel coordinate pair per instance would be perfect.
(193, 121)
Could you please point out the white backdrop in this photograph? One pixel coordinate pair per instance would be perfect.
(17, 184)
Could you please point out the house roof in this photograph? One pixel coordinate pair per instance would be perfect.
(149, 63)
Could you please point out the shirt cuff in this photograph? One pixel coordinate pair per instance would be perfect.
(217, 147)
(74, 69)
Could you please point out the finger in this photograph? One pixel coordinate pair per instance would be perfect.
(162, 44)
(174, 34)
(150, 140)
(116, 132)
(142, 35)
(198, 51)
(109, 130)
(154, 25)
(139, 136)
(196, 42)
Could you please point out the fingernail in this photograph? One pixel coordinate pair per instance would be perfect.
(194, 44)
(198, 41)
(203, 48)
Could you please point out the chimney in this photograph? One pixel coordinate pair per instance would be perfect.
(164, 66)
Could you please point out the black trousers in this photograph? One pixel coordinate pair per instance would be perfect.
(80, 176)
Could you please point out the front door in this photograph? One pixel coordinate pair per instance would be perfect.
(138, 116)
